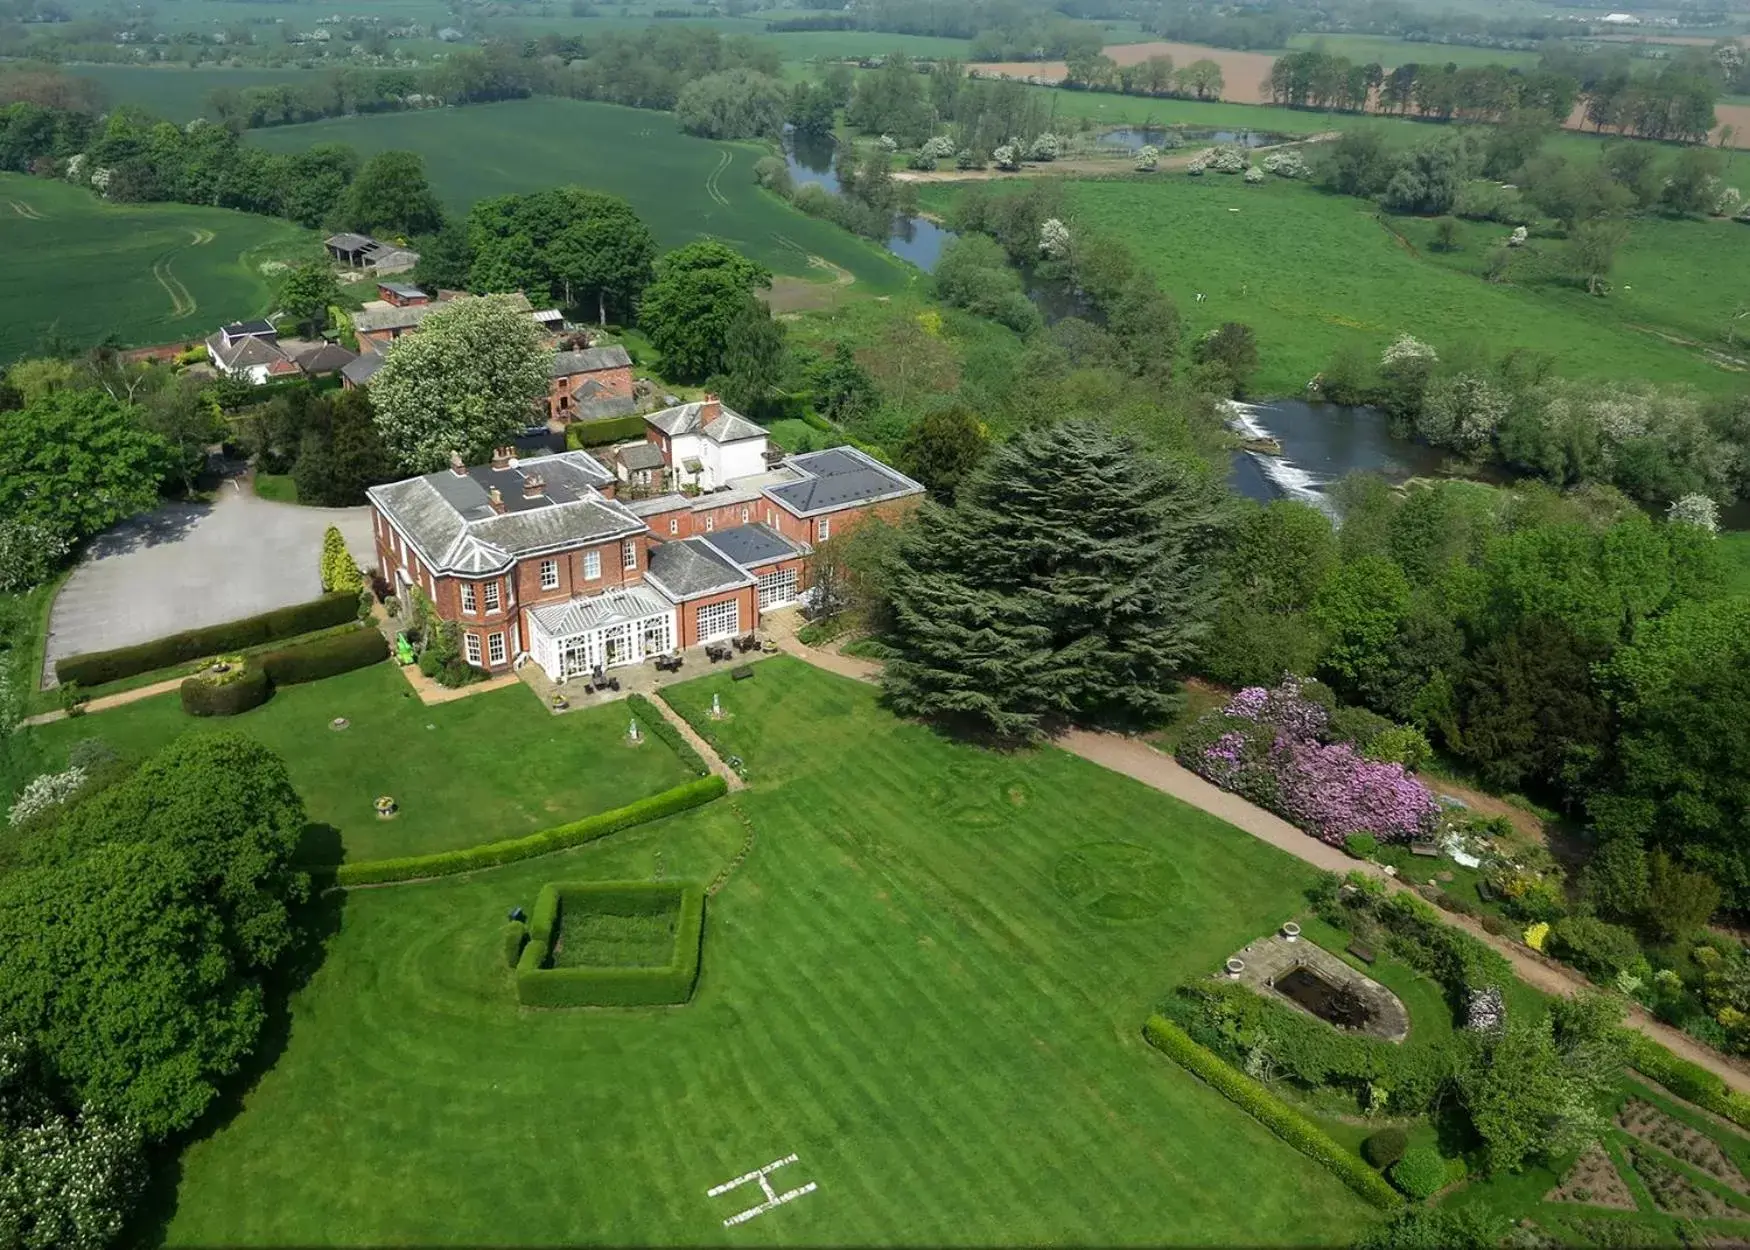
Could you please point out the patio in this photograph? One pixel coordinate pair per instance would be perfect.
(1268, 962)
(644, 678)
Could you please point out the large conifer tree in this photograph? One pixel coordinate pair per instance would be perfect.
(1069, 582)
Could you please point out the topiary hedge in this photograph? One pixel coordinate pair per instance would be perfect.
(514, 938)
(625, 986)
(1421, 1173)
(241, 686)
(658, 726)
(325, 657)
(580, 434)
(1270, 1111)
(559, 838)
(1386, 1147)
(98, 667)
(1686, 1079)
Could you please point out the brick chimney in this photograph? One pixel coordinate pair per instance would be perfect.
(495, 499)
(457, 465)
(503, 458)
(533, 485)
(709, 409)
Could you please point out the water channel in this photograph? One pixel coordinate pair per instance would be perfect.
(914, 239)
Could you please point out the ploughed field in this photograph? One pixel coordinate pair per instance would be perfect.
(927, 981)
(683, 187)
(73, 265)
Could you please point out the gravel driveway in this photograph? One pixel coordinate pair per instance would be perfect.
(191, 564)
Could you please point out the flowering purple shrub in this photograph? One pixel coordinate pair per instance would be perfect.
(1264, 746)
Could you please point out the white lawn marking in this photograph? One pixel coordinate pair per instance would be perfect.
(773, 1199)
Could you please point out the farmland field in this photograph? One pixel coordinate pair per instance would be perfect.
(909, 984)
(1394, 52)
(73, 265)
(178, 94)
(682, 187)
(1311, 271)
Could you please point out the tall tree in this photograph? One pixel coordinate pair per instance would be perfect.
(391, 196)
(943, 449)
(306, 292)
(753, 356)
(75, 462)
(698, 293)
(467, 382)
(1067, 581)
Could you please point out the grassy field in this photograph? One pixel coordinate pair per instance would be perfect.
(681, 186)
(176, 92)
(909, 984)
(491, 766)
(1311, 271)
(1391, 53)
(73, 265)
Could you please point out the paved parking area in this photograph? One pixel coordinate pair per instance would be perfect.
(192, 564)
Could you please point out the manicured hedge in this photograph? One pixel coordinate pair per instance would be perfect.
(559, 838)
(514, 938)
(1687, 1080)
(539, 986)
(658, 726)
(203, 695)
(325, 657)
(98, 667)
(599, 433)
(1270, 1111)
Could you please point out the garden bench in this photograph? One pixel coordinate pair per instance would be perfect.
(741, 673)
(1362, 951)
(1428, 850)
(1486, 890)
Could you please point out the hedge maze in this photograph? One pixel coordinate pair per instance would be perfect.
(612, 944)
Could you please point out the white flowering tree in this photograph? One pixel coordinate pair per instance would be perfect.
(1227, 159)
(1148, 158)
(1696, 510)
(1254, 175)
(889, 143)
(1197, 164)
(76, 169)
(47, 791)
(467, 382)
(1408, 351)
(1288, 164)
(1461, 412)
(1518, 237)
(29, 552)
(1007, 157)
(1043, 148)
(940, 148)
(1054, 238)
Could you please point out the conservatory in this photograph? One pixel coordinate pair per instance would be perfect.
(602, 631)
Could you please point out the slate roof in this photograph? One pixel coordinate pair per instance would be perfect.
(329, 358)
(244, 353)
(403, 318)
(590, 360)
(450, 517)
(239, 328)
(840, 477)
(728, 426)
(349, 242)
(656, 505)
(753, 544)
(363, 368)
(639, 455)
(403, 289)
(693, 567)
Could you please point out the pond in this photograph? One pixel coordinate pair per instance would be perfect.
(1135, 138)
(915, 239)
(1338, 1004)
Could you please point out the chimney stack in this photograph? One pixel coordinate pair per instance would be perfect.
(710, 409)
(496, 499)
(457, 466)
(533, 485)
(503, 458)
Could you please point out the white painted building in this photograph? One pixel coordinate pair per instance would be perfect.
(707, 445)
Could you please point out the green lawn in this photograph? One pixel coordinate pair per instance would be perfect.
(279, 487)
(490, 766)
(682, 187)
(72, 264)
(907, 984)
(1310, 271)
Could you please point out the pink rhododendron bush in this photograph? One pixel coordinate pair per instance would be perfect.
(1270, 746)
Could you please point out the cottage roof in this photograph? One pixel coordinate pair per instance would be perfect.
(725, 425)
(329, 358)
(840, 477)
(639, 455)
(754, 544)
(363, 368)
(243, 353)
(405, 290)
(451, 518)
(693, 567)
(590, 360)
(656, 505)
(405, 317)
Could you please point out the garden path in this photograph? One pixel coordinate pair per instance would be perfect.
(1141, 762)
(686, 731)
(104, 702)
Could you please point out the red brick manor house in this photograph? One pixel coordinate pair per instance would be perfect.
(576, 561)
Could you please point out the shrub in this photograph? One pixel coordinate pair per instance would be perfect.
(324, 657)
(654, 723)
(1421, 1173)
(98, 667)
(560, 837)
(515, 935)
(1269, 1110)
(1401, 744)
(1685, 1079)
(1358, 726)
(1446, 900)
(1361, 845)
(618, 986)
(1500, 926)
(1385, 1147)
(1597, 948)
(243, 685)
(339, 570)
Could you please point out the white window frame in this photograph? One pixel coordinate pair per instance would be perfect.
(549, 575)
(495, 652)
(822, 529)
(674, 525)
(710, 522)
(716, 612)
(629, 554)
(592, 566)
(492, 598)
(767, 584)
(471, 648)
(470, 604)
(744, 515)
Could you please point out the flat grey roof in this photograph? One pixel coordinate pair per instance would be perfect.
(754, 543)
(840, 477)
(692, 567)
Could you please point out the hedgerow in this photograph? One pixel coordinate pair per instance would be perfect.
(559, 838)
(658, 726)
(1270, 1111)
(624, 986)
(97, 667)
(1687, 1080)
(242, 686)
(515, 936)
(325, 657)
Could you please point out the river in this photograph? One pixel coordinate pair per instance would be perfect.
(915, 239)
